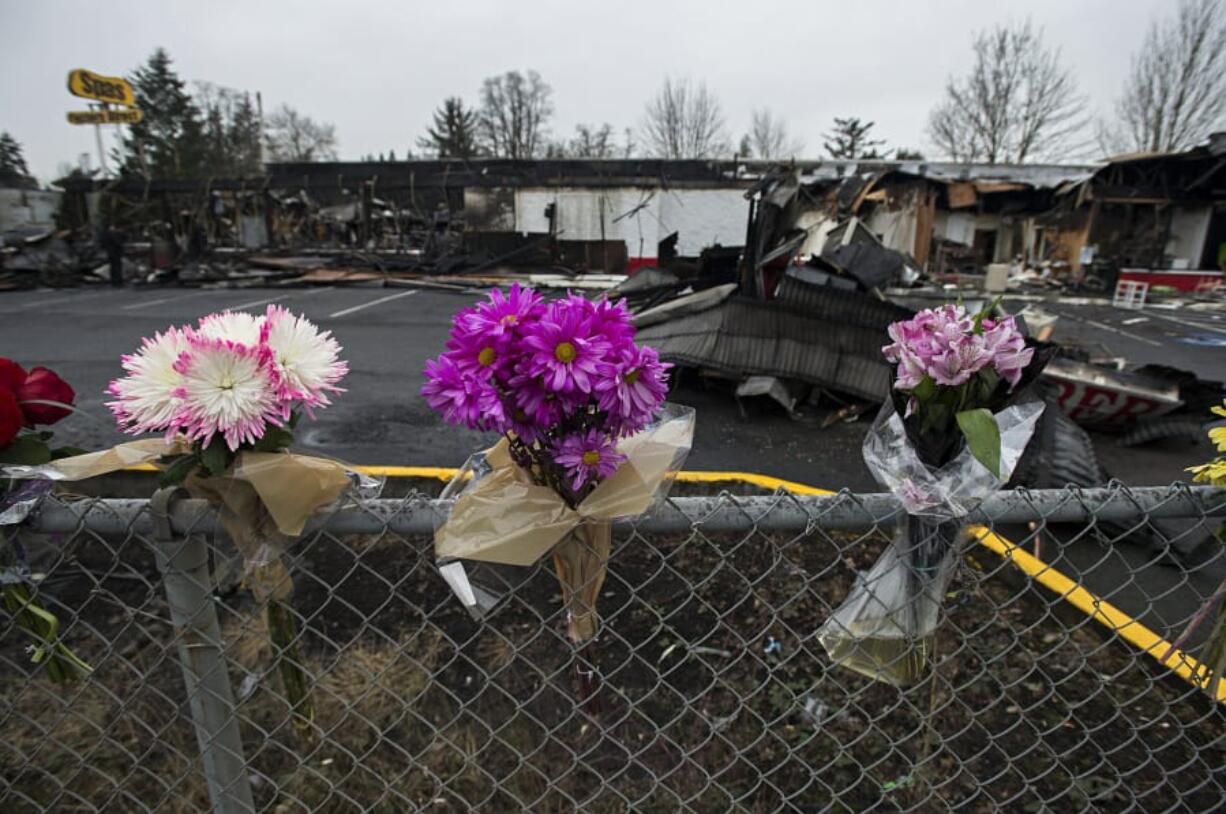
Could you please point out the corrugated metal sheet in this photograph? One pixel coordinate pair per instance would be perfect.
(825, 337)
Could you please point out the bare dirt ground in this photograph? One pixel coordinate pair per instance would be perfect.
(714, 694)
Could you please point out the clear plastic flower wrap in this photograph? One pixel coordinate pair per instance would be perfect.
(886, 626)
(502, 520)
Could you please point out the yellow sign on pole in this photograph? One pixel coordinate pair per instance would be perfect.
(100, 88)
(126, 116)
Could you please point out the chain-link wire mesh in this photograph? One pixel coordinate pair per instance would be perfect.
(713, 692)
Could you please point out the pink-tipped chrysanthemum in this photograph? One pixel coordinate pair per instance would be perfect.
(146, 399)
(227, 389)
(232, 326)
(588, 457)
(306, 360)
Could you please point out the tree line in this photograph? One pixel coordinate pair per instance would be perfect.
(1019, 102)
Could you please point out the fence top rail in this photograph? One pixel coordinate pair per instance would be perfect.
(784, 512)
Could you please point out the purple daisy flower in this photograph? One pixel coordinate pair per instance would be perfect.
(540, 405)
(563, 350)
(464, 400)
(479, 353)
(588, 457)
(502, 315)
(612, 321)
(633, 390)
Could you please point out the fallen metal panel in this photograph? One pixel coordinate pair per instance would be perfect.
(750, 337)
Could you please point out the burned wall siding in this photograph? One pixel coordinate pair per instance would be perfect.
(1188, 230)
(703, 218)
(895, 229)
(628, 214)
(28, 208)
(489, 209)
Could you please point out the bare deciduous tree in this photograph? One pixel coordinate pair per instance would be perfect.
(295, 137)
(515, 109)
(1175, 94)
(684, 121)
(1018, 103)
(591, 141)
(768, 137)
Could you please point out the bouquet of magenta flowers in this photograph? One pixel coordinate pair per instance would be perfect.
(950, 435)
(587, 438)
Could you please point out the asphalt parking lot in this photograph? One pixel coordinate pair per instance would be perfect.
(388, 333)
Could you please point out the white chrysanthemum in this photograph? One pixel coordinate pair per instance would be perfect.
(146, 399)
(227, 389)
(232, 326)
(305, 358)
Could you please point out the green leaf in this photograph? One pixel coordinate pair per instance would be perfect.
(925, 389)
(987, 311)
(216, 456)
(988, 380)
(275, 439)
(66, 452)
(178, 469)
(982, 436)
(26, 450)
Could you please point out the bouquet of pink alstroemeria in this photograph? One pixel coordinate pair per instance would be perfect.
(950, 435)
(587, 438)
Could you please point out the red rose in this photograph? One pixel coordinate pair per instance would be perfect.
(10, 417)
(43, 385)
(11, 375)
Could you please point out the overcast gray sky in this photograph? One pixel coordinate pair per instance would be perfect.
(377, 69)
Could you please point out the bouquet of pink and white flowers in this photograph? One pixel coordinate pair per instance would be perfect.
(950, 436)
(587, 437)
(227, 393)
(234, 380)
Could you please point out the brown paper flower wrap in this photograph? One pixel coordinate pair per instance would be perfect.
(263, 501)
(502, 516)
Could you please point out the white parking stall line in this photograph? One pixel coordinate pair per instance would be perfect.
(270, 300)
(78, 296)
(372, 303)
(150, 303)
(1215, 329)
(1104, 326)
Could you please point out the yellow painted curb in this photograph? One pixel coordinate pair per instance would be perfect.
(1100, 610)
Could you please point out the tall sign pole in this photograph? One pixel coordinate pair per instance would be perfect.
(101, 152)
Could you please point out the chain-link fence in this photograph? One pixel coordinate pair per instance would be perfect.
(1054, 684)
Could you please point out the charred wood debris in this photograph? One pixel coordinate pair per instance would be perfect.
(793, 310)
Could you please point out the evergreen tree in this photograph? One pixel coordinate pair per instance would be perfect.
(170, 141)
(243, 137)
(454, 134)
(849, 139)
(231, 131)
(13, 169)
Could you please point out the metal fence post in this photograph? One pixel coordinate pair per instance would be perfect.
(184, 564)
